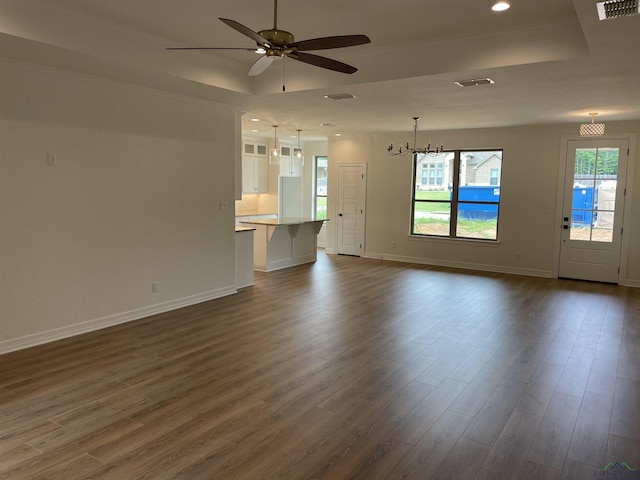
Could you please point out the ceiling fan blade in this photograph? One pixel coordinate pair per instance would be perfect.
(322, 62)
(255, 36)
(260, 65)
(211, 48)
(326, 43)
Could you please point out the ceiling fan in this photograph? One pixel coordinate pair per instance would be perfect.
(274, 43)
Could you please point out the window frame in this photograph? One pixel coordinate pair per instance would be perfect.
(316, 160)
(455, 201)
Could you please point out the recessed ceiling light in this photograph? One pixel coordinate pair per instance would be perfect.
(500, 7)
(255, 119)
(328, 124)
(254, 130)
(338, 134)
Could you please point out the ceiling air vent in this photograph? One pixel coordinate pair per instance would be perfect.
(474, 82)
(339, 96)
(617, 8)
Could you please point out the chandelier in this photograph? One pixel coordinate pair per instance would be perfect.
(407, 149)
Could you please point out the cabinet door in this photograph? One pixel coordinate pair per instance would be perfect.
(262, 150)
(255, 174)
(289, 165)
(262, 173)
(249, 183)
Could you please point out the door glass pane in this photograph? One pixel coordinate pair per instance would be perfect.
(594, 193)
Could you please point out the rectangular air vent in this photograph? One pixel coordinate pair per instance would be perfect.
(339, 96)
(617, 8)
(474, 82)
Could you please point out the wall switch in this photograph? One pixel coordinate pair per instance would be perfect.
(155, 287)
(223, 205)
(52, 159)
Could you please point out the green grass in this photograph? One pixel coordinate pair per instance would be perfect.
(430, 195)
(321, 208)
(481, 229)
(432, 207)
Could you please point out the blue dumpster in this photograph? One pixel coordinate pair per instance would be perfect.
(581, 205)
(478, 211)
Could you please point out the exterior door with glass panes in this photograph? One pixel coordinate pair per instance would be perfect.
(593, 207)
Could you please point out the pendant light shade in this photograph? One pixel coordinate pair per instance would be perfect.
(593, 128)
(298, 154)
(274, 155)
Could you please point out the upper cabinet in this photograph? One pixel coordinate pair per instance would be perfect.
(255, 168)
(289, 165)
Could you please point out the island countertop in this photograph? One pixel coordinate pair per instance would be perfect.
(276, 222)
(284, 242)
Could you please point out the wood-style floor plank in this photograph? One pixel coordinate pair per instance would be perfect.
(348, 368)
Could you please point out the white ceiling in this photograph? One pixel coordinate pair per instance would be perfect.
(553, 61)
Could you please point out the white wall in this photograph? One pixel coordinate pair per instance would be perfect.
(528, 210)
(135, 198)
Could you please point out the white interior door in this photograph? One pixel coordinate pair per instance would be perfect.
(593, 208)
(351, 202)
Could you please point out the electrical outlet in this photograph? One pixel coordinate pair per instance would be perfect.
(223, 205)
(155, 287)
(393, 244)
(52, 159)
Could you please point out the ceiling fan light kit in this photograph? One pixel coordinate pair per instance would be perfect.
(274, 43)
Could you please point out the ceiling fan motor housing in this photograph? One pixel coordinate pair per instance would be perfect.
(279, 38)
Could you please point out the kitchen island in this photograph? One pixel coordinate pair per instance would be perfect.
(284, 242)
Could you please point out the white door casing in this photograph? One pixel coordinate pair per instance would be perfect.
(593, 210)
(351, 209)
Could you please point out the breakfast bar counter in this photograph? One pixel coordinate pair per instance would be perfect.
(284, 242)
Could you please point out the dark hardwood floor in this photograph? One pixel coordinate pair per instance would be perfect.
(348, 368)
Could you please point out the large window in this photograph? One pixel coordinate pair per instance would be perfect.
(320, 194)
(457, 194)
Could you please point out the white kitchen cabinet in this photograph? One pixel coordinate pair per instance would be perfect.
(289, 165)
(255, 169)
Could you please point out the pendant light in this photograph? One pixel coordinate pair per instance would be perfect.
(274, 157)
(591, 129)
(298, 154)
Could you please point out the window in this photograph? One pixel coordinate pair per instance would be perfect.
(320, 194)
(495, 176)
(458, 195)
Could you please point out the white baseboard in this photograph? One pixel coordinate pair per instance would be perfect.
(462, 265)
(48, 336)
(632, 283)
